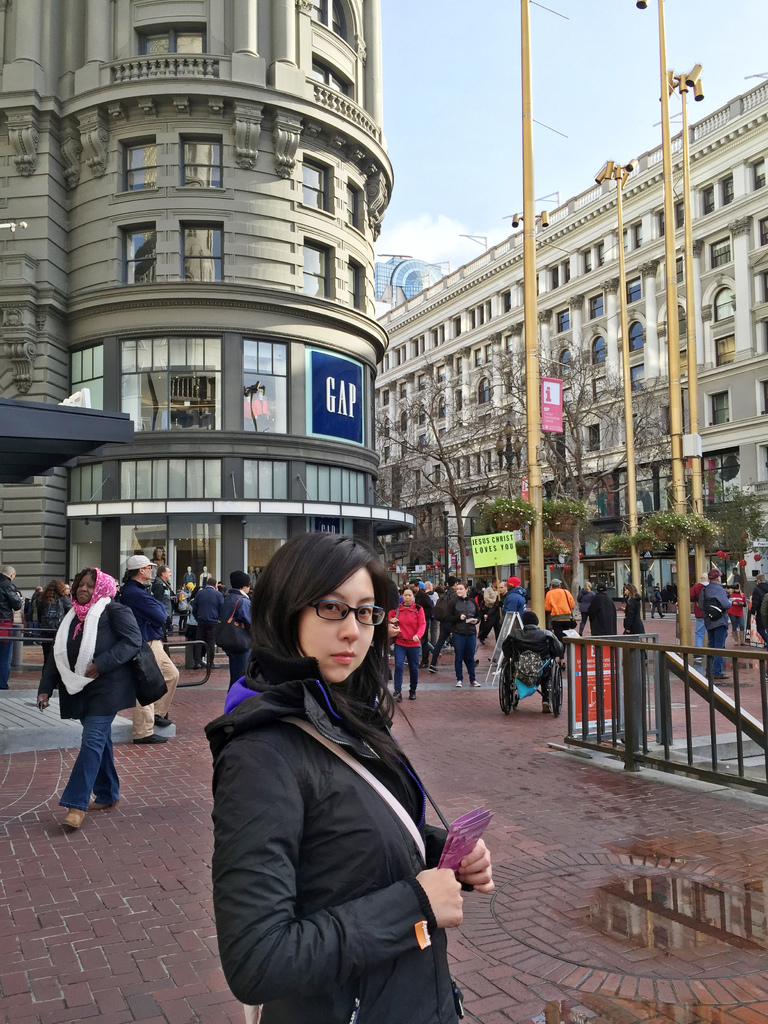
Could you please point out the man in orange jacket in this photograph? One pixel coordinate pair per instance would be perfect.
(558, 604)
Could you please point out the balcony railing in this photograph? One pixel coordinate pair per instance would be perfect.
(169, 65)
(340, 104)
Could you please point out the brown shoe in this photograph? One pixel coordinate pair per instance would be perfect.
(93, 806)
(74, 818)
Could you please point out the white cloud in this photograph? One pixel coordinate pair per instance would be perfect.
(434, 239)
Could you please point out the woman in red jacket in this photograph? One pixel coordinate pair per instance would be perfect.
(411, 624)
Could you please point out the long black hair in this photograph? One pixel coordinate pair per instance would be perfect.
(306, 569)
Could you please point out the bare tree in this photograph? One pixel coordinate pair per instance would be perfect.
(439, 454)
(583, 462)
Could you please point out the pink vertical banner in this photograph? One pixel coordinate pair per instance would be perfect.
(524, 488)
(552, 405)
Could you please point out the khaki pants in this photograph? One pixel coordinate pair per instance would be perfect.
(144, 718)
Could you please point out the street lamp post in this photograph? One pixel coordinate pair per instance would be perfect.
(683, 83)
(533, 402)
(620, 175)
(673, 344)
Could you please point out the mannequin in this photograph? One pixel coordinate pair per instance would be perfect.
(204, 574)
(189, 576)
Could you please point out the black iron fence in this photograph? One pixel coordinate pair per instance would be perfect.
(659, 707)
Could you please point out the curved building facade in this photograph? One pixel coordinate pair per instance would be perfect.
(203, 182)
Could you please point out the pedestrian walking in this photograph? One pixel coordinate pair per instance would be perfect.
(514, 599)
(559, 605)
(714, 602)
(433, 626)
(603, 620)
(490, 614)
(207, 605)
(237, 607)
(53, 605)
(10, 602)
(656, 600)
(409, 618)
(463, 619)
(443, 610)
(151, 617)
(326, 908)
(633, 619)
(736, 614)
(91, 667)
(182, 607)
(160, 589)
(760, 591)
(424, 602)
(584, 600)
(698, 614)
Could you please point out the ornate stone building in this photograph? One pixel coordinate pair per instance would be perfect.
(465, 325)
(203, 181)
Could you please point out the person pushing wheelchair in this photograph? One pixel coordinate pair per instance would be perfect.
(532, 651)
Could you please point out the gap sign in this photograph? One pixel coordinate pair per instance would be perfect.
(334, 397)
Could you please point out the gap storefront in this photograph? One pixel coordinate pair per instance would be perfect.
(241, 442)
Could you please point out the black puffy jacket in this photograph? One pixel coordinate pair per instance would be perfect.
(10, 598)
(314, 884)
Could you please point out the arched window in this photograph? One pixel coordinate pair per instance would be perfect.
(483, 391)
(331, 13)
(565, 360)
(723, 304)
(598, 350)
(682, 326)
(636, 338)
(403, 421)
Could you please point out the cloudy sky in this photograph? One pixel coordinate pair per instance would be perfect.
(452, 102)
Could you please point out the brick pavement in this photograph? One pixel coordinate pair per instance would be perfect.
(620, 897)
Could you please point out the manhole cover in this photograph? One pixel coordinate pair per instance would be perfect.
(638, 918)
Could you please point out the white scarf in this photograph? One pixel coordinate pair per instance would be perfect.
(77, 680)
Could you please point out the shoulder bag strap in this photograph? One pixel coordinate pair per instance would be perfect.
(394, 804)
(237, 602)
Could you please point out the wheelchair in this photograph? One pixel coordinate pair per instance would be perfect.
(509, 695)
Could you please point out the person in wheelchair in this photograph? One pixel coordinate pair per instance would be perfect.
(534, 671)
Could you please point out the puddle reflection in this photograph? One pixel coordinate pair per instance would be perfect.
(673, 911)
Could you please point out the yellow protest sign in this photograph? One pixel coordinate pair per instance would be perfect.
(494, 549)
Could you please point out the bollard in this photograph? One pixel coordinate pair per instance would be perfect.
(17, 655)
(633, 708)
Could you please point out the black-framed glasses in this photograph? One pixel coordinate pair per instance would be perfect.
(366, 614)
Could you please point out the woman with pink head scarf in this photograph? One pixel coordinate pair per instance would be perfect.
(91, 668)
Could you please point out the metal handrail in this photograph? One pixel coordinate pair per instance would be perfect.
(169, 647)
(641, 705)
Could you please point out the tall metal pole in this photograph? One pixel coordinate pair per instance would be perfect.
(697, 490)
(532, 374)
(673, 349)
(629, 426)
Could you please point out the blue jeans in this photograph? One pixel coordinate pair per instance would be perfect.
(701, 630)
(464, 651)
(762, 631)
(411, 655)
(94, 770)
(716, 639)
(445, 632)
(237, 665)
(6, 652)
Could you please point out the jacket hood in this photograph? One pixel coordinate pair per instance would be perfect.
(273, 688)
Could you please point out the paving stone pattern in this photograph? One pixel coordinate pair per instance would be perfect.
(114, 923)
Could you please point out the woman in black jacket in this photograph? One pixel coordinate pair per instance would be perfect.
(94, 646)
(326, 911)
(633, 620)
(52, 606)
(463, 620)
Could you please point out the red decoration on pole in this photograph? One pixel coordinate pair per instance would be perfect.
(757, 557)
(442, 550)
(742, 561)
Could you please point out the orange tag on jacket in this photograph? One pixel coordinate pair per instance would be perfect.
(422, 934)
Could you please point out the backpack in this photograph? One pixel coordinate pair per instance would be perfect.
(711, 606)
(52, 615)
(529, 668)
(443, 606)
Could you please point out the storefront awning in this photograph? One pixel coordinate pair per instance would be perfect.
(35, 436)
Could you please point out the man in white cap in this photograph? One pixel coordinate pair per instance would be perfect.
(150, 615)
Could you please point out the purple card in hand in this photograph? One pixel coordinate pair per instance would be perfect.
(462, 837)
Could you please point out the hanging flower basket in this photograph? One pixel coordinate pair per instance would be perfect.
(622, 543)
(565, 513)
(555, 546)
(671, 527)
(523, 548)
(507, 514)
